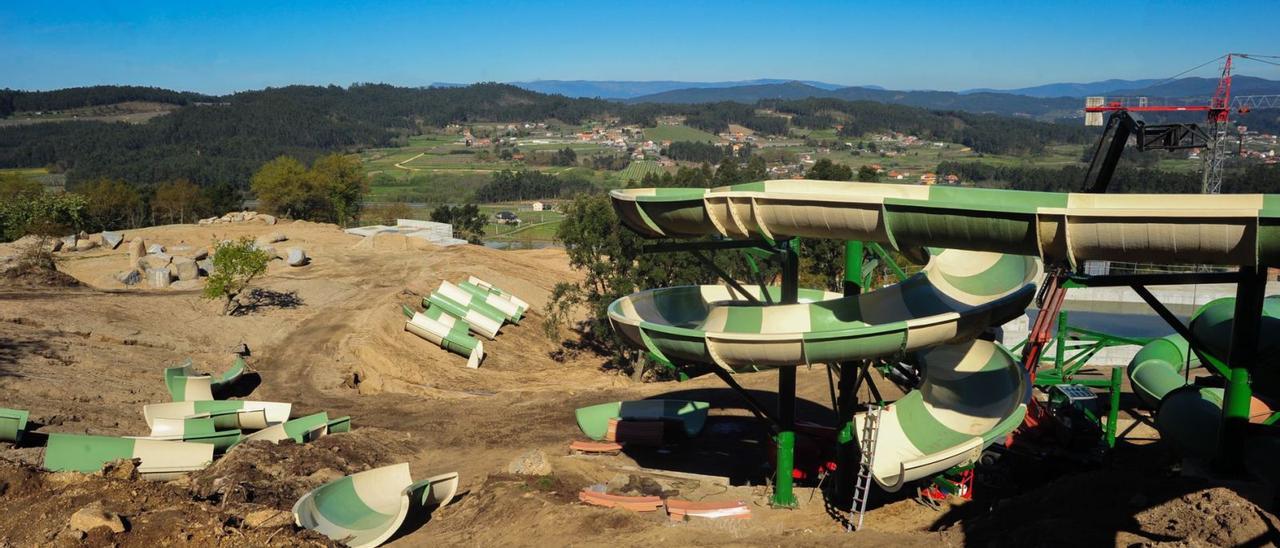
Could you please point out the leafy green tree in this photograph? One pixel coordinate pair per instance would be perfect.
(826, 170)
(339, 179)
(26, 208)
(177, 201)
(467, 220)
(868, 174)
(111, 204)
(284, 188)
(235, 265)
(565, 157)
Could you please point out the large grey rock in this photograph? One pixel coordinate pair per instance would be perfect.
(205, 266)
(297, 257)
(112, 239)
(268, 219)
(85, 245)
(533, 462)
(150, 262)
(159, 278)
(200, 254)
(69, 242)
(269, 250)
(129, 277)
(94, 516)
(155, 249)
(137, 248)
(185, 269)
(274, 237)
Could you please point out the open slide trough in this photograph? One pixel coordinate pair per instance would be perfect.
(365, 509)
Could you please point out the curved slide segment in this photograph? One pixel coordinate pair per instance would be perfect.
(446, 330)
(495, 290)
(594, 420)
(1189, 416)
(242, 414)
(1241, 229)
(365, 509)
(13, 422)
(185, 384)
(972, 396)
(955, 297)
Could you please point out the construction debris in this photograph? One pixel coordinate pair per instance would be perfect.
(595, 447)
(440, 234)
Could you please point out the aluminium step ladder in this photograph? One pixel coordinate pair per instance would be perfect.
(862, 484)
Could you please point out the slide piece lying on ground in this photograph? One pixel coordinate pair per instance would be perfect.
(340, 424)
(245, 412)
(1190, 416)
(185, 384)
(475, 302)
(594, 420)
(495, 290)
(446, 330)
(1225, 229)
(510, 310)
(366, 509)
(680, 509)
(203, 430)
(953, 299)
(161, 460)
(300, 430)
(972, 395)
(13, 422)
(632, 503)
(480, 322)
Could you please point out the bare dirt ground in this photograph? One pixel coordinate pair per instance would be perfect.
(86, 358)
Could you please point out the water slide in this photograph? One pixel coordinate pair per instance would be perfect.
(1187, 415)
(973, 392)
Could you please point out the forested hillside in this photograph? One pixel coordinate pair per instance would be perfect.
(32, 101)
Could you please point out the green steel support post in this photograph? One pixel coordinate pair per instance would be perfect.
(1060, 344)
(846, 446)
(782, 494)
(1241, 360)
(1113, 414)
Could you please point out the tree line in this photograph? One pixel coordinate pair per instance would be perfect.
(508, 186)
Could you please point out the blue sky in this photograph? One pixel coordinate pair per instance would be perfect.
(223, 46)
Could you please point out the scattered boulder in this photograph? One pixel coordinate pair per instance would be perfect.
(57, 245)
(185, 269)
(297, 257)
(273, 238)
(205, 266)
(129, 277)
(159, 278)
(94, 516)
(200, 254)
(269, 250)
(150, 262)
(69, 242)
(268, 219)
(112, 239)
(137, 248)
(155, 249)
(85, 245)
(533, 462)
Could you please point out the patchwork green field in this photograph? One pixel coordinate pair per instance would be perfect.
(678, 133)
(637, 169)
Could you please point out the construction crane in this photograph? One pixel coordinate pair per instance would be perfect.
(1211, 138)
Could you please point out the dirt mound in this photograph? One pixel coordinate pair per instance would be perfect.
(1124, 507)
(32, 266)
(36, 509)
(276, 475)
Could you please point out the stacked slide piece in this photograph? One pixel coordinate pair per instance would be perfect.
(364, 510)
(160, 460)
(453, 312)
(199, 430)
(13, 422)
(185, 384)
(446, 330)
(595, 421)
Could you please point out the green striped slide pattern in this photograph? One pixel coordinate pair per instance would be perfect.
(480, 322)
(474, 302)
(973, 395)
(494, 290)
(446, 330)
(594, 420)
(235, 413)
(13, 422)
(185, 384)
(201, 430)
(1240, 229)
(160, 460)
(300, 430)
(363, 510)
(953, 299)
(510, 310)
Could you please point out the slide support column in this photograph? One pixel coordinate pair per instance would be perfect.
(1241, 361)
(783, 497)
(846, 400)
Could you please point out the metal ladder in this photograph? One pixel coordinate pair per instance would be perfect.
(862, 484)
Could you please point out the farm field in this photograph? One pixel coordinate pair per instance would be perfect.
(637, 169)
(678, 133)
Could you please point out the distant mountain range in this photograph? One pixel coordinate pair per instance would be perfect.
(621, 89)
(1071, 89)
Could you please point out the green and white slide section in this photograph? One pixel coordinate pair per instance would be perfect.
(509, 309)
(594, 420)
(973, 395)
(13, 422)
(300, 430)
(1187, 415)
(242, 414)
(1224, 229)
(483, 319)
(494, 290)
(185, 384)
(956, 296)
(160, 460)
(446, 330)
(203, 430)
(364, 510)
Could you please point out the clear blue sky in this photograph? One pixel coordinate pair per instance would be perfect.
(222, 46)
